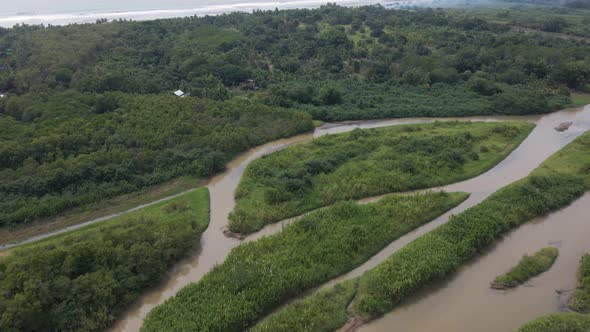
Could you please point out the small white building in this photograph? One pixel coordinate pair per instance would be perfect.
(179, 93)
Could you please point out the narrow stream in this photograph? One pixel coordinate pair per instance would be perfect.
(542, 142)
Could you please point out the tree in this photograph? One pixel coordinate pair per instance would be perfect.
(330, 95)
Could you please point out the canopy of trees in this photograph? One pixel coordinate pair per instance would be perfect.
(73, 148)
(83, 280)
(214, 57)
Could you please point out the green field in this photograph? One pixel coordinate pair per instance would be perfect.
(366, 163)
(258, 276)
(528, 267)
(82, 280)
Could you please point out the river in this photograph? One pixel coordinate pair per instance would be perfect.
(465, 302)
(541, 143)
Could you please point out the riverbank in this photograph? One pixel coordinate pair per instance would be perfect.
(214, 245)
(542, 142)
(83, 280)
(104, 210)
(89, 11)
(560, 162)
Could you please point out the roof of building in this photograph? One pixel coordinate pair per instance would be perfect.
(179, 93)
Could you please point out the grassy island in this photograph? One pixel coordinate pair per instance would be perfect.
(365, 163)
(578, 321)
(528, 267)
(434, 256)
(556, 183)
(323, 312)
(257, 277)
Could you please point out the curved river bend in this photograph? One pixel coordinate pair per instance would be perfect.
(215, 246)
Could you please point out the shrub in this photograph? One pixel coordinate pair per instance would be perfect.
(323, 311)
(82, 281)
(580, 300)
(258, 276)
(528, 267)
(565, 322)
(437, 254)
(368, 162)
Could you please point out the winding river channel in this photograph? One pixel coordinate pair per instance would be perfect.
(463, 303)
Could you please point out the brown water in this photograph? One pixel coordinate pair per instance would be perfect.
(467, 303)
(542, 142)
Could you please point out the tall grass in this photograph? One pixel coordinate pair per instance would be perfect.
(258, 276)
(560, 180)
(564, 322)
(368, 162)
(528, 267)
(324, 311)
(580, 300)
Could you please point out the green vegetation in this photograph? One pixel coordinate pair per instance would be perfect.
(543, 16)
(580, 99)
(83, 148)
(469, 61)
(106, 207)
(82, 280)
(528, 267)
(561, 179)
(580, 300)
(324, 311)
(568, 322)
(256, 277)
(365, 163)
(84, 118)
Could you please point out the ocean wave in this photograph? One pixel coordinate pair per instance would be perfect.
(86, 17)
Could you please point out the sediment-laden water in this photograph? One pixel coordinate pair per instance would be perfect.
(541, 143)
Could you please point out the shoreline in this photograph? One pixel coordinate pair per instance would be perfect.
(85, 17)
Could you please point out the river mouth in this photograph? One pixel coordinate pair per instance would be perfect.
(215, 246)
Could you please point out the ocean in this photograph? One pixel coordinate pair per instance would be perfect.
(60, 12)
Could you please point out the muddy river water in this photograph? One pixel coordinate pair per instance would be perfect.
(464, 303)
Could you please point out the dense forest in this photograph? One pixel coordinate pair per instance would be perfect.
(87, 110)
(304, 58)
(83, 280)
(83, 147)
